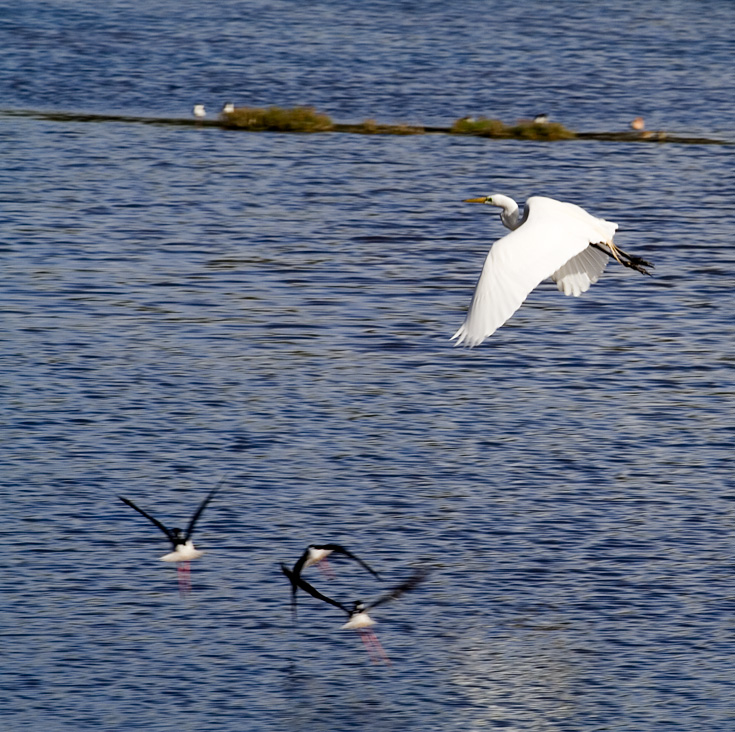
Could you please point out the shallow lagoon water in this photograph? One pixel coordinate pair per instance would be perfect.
(182, 303)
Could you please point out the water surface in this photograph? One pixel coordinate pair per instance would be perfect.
(183, 303)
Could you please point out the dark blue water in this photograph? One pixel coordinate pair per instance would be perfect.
(181, 304)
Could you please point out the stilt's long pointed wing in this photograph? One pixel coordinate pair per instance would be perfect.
(202, 506)
(342, 550)
(306, 587)
(168, 532)
(413, 581)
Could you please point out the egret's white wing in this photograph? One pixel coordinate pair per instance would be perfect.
(580, 272)
(553, 233)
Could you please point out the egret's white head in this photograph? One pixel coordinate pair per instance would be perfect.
(495, 199)
(509, 214)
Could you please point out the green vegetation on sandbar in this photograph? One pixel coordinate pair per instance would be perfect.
(524, 130)
(545, 131)
(371, 127)
(306, 119)
(482, 127)
(277, 119)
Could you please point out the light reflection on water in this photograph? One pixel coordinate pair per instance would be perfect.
(179, 303)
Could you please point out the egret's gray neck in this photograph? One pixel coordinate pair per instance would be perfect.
(511, 216)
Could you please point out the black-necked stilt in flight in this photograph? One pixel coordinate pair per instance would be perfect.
(317, 554)
(183, 547)
(359, 619)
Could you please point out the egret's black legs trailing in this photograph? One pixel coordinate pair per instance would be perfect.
(627, 260)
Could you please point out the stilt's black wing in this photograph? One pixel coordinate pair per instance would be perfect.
(300, 565)
(341, 550)
(291, 574)
(414, 580)
(170, 534)
(202, 506)
(306, 587)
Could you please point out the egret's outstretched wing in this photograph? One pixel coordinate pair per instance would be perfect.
(554, 232)
(580, 272)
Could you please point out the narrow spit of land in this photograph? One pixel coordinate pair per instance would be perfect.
(308, 120)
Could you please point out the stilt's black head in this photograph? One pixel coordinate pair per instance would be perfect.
(358, 607)
(177, 537)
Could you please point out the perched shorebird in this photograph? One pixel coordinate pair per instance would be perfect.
(358, 618)
(638, 124)
(228, 108)
(199, 112)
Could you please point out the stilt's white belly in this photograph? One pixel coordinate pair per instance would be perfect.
(360, 620)
(316, 555)
(184, 553)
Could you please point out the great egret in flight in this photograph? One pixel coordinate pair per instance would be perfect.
(552, 239)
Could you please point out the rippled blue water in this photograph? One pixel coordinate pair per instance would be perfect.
(182, 303)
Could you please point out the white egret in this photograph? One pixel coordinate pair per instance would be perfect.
(552, 239)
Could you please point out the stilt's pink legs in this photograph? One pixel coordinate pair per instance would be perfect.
(184, 578)
(372, 644)
(326, 568)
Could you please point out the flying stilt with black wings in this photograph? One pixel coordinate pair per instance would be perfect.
(183, 547)
(358, 618)
(316, 554)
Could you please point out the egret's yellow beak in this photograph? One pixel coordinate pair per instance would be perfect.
(475, 200)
